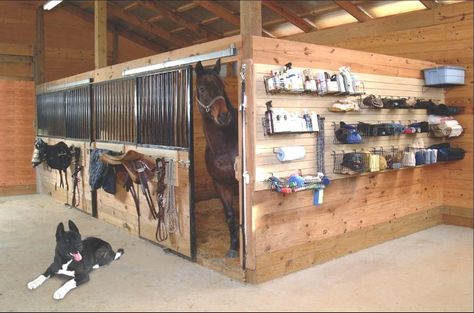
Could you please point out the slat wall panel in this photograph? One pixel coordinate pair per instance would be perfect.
(292, 233)
(267, 162)
(443, 35)
(119, 209)
(17, 115)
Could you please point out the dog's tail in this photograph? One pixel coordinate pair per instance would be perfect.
(118, 254)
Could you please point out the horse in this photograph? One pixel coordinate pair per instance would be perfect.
(57, 156)
(221, 132)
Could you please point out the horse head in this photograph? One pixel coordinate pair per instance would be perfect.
(39, 152)
(211, 96)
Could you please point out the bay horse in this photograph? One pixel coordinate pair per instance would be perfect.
(221, 132)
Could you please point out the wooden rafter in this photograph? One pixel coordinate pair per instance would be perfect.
(134, 21)
(219, 11)
(353, 10)
(289, 15)
(224, 14)
(429, 4)
(89, 18)
(181, 19)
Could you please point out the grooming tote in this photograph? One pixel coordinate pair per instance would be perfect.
(444, 75)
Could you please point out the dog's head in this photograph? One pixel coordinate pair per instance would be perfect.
(69, 243)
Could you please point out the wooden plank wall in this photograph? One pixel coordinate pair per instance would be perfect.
(17, 133)
(443, 35)
(69, 41)
(119, 209)
(290, 232)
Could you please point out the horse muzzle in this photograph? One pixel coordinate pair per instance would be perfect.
(224, 119)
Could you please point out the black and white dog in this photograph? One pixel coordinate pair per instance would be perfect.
(76, 258)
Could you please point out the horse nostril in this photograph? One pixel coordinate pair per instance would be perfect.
(224, 118)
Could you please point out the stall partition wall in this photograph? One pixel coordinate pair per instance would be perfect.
(289, 232)
(119, 210)
(122, 124)
(17, 133)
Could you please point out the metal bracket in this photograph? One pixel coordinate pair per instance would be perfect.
(246, 177)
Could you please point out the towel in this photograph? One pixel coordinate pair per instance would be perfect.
(290, 153)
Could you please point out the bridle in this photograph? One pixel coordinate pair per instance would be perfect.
(209, 106)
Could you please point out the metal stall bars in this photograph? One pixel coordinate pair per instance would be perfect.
(163, 110)
(115, 111)
(50, 112)
(78, 113)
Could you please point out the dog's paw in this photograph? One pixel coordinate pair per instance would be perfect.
(37, 282)
(60, 294)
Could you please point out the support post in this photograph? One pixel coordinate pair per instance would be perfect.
(250, 25)
(100, 33)
(39, 47)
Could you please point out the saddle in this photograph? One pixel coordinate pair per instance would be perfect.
(134, 163)
(139, 169)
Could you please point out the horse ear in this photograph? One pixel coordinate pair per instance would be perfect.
(199, 69)
(73, 227)
(217, 67)
(59, 231)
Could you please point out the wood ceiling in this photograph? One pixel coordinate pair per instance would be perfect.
(167, 25)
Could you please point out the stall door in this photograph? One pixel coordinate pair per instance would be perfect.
(164, 132)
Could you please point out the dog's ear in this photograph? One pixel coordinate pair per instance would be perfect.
(73, 227)
(199, 69)
(217, 67)
(59, 231)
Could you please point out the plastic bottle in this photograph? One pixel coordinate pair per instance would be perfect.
(314, 121)
(308, 122)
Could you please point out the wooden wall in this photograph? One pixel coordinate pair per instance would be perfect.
(443, 35)
(119, 209)
(290, 233)
(69, 41)
(17, 135)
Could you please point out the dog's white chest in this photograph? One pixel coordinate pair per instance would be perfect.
(65, 266)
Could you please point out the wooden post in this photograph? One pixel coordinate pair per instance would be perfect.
(250, 25)
(39, 47)
(115, 46)
(100, 33)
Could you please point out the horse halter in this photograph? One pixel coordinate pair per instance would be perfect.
(209, 106)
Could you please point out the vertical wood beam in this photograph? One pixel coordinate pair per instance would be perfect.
(250, 25)
(115, 46)
(100, 33)
(39, 47)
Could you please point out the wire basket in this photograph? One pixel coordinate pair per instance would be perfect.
(346, 134)
(351, 162)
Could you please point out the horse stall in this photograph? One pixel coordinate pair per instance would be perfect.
(281, 229)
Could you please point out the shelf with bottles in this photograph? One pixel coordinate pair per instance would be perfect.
(279, 121)
(291, 81)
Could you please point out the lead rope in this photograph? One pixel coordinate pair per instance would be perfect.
(161, 232)
(172, 216)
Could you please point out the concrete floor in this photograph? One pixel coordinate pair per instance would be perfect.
(428, 271)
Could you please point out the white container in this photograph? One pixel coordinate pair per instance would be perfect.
(444, 75)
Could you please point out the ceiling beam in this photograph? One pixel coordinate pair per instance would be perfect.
(89, 18)
(429, 4)
(219, 11)
(144, 25)
(289, 15)
(224, 14)
(353, 10)
(181, 19)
